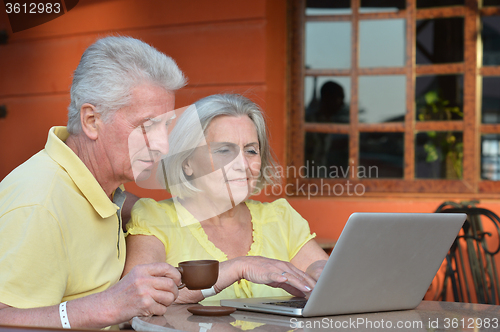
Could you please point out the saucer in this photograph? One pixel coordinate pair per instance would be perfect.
(210, 310)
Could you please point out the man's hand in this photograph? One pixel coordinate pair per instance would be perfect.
(147, 290)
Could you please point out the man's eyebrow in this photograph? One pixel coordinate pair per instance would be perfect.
(158, 119)
(155, 120)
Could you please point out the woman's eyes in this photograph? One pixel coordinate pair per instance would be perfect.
(252, 151)
(222, 151)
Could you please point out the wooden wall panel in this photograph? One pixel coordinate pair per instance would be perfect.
(190, 94)
(212, 54)
(24, 131)
(41, 66)
(101, 16)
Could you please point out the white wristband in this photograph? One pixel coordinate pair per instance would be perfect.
(64, 316)
(208, 292)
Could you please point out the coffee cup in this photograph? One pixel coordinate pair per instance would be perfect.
(198, 274)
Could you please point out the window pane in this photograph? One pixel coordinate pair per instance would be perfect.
(439, 97)
(327, 7)
(371, 6)
(439, 155)
(440, 40)
(439, 3)
(491, 3)
(490, 108)
(382, 98)
(328, 45)
(381, 155)
(491, 40)
(326, 155)
(326, 99)
(382, 43)
(490, 157)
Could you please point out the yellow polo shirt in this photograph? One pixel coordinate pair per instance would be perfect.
(60, 235)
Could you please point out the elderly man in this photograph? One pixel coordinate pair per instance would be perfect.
(62, 249)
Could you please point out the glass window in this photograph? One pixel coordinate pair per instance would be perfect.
(326, 155)
(381, 155)
(439, 97)
(328, 45)
(439, 3)
(373, 6)
(491, 2)
(326, 99)
(439, 155)
(490, 106)
(490, 157)
(359, 113)
(382, 98)
(382, 43)
(490, 35)
(440, 40)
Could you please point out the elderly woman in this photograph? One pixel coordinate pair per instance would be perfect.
(219, 156)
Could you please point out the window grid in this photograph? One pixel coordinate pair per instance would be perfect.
(471, 126)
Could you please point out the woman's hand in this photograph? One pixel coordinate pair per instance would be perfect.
(261, 270)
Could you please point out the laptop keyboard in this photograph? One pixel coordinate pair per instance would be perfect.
(292, 304)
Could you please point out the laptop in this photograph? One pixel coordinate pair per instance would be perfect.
(381, 262)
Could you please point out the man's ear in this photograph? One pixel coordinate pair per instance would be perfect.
(90, 120)
(188, 171)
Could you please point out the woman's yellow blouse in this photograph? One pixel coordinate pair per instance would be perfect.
(279, 232)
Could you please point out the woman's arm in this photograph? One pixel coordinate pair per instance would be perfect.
(143, 249)
(259, 270)
(310, 258)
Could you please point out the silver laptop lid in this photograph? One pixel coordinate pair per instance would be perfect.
(383, 261)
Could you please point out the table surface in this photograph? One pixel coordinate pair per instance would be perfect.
(428, 316)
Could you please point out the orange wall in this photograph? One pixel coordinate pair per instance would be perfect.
(221, 45)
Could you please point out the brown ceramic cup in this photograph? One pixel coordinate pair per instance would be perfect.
(200, 274)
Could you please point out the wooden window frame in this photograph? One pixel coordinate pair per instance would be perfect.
(471, 185)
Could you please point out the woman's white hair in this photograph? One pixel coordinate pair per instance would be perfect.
(190, 129)
(108, 71)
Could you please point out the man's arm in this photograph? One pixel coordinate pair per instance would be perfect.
(147, 290)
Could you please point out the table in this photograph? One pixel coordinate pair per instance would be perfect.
(428, 316)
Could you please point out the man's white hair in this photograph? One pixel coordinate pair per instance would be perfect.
(108, 71)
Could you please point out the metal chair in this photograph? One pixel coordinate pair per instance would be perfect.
(470, 258)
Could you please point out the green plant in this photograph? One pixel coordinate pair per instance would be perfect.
(436, 108)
